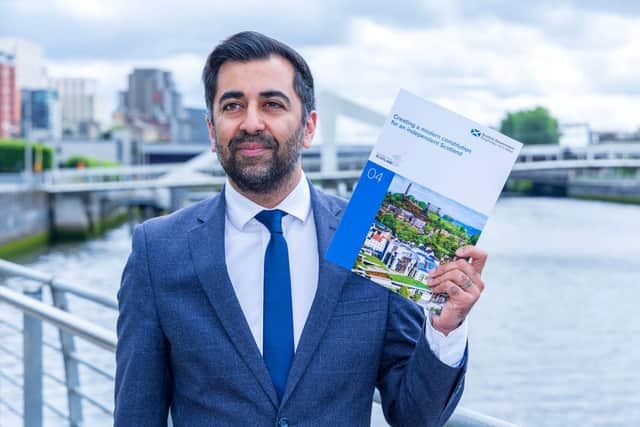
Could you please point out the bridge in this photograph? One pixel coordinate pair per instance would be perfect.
(551, 165)
(81, 200)
(205, 170)
(606, 171)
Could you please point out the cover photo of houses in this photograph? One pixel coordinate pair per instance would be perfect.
(414, 231)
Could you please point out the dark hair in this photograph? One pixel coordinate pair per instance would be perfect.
(250, 45)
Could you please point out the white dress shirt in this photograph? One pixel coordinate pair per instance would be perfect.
(246, 241)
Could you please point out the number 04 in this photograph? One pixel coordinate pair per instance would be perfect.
(372, 173)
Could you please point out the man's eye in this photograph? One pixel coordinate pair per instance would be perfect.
(232, 106)
(274, 104)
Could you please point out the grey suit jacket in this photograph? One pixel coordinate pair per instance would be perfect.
(184, 344)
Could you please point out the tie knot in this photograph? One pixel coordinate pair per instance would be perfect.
(272, 220)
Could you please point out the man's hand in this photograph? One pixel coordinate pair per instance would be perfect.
(462, 282)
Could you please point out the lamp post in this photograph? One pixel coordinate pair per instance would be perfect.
(28, 161)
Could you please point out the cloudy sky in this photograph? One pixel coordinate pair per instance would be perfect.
(580, 59)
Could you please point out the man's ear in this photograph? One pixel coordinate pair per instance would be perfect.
(309, 129)
(212, 133)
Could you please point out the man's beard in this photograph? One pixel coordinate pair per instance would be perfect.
(257, 175)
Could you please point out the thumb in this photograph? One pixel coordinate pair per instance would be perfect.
(463, 250)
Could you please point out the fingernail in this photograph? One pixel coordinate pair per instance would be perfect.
(460, 252)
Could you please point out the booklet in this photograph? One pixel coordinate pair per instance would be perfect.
(427, 189)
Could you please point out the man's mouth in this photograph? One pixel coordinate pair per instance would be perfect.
(252, 148)
(252, 145)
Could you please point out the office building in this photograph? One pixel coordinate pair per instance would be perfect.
(41, 115)
(152, 106)
(78, 106)
(196, 131)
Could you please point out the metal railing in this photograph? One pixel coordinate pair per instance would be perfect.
(35, 312)
(112, 173)
(69, 327)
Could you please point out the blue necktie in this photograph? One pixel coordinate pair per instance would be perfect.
(278, 318)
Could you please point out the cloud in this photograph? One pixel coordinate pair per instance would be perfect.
(120, 29)
(74, 29)
(482, 72)
(479, 58)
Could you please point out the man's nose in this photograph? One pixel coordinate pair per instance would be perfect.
(253, 121)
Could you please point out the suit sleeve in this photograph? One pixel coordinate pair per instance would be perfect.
(416, 388)
(143, 378)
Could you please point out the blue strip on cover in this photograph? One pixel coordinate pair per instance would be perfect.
(361, 211)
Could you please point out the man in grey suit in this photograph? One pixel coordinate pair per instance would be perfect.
(231, 316)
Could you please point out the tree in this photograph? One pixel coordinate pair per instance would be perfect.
(438, 224)
(535, 126)
(473, 240)
(397, 198)
(450, 243)
(389, 220)
(406, 232)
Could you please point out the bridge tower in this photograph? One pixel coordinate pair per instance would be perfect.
(331, 106)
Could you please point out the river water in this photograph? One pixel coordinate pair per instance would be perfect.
(554, 340)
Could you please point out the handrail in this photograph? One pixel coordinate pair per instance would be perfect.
(111, 170)
(61, 319)
(76, 358)
(464, 417)
(11, 409)
(50, 280)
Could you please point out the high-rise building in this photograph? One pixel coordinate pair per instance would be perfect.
(153, 104)
(78, 106)
(196, 127)
(31, 81)
(31, 72)
(41, 115)
(9, 97)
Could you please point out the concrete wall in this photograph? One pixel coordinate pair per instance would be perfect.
(83, 215)
(101, 150)
(70, 214)
(621, 188)
(22, 214)
(30, 218)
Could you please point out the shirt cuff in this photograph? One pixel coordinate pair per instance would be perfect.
(448, 348)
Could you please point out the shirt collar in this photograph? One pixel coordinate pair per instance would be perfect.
(240, 210)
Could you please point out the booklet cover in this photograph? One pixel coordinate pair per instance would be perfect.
(427, 189)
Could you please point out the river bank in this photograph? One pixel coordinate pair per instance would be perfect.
(31, 220)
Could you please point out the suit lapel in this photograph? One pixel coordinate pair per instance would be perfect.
(206, 243)
(331, 279)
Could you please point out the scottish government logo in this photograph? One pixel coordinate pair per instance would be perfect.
(475, 132)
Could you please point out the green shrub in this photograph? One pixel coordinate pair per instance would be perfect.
(12, 155)
(524, 186)
(87, 162)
